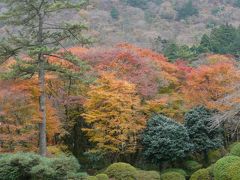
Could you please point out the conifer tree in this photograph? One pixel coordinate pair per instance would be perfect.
(33, 32)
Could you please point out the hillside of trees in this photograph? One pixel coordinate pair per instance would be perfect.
(82, 101)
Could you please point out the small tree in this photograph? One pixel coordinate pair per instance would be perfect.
(197, 122)
(165, 140)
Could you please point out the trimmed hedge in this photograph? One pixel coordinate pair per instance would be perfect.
(121, 171)
(221, 167)
(92, 178)
(102, 177)
(180, 171)
(172, 176)
(201, 174)
(149, 175)
(235, 150)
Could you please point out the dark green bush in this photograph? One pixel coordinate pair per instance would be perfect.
(221, 171)
(17, 166)
(235, 150)
(149, 175)
(24, 166)
(172, 176)
(201, 174)
(102, 177)
(165, 140)
(121, 171)
(192, 166)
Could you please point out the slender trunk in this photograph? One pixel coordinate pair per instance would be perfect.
(42, 98)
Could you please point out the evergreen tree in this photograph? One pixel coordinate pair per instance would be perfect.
(197, 122)
(187, 10)
(37, 35)
(114, 13)
(165, 140)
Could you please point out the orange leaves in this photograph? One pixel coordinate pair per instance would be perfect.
(208, 84)
(113, 111)
(20, 116)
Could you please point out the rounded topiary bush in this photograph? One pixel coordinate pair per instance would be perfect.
(121, 171)
(221, 167)
(235, 150)
(180, 171)
(102, 177)
(150, 175)
(92, 178)
(234, 170)
(192, 166)
(172, 176)
(201, 174)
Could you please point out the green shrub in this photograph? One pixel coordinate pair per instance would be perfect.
(233, 169)
(172, 176)
(149, 175)
(92, 178)
(32, 166)
(215, 155)
(210, 170)
(102, 177)
(121, 171)
(77, 176)
(17, 166)
(201, 174)
(192, 166)
(220, 171)
(235, 150)
(180, 171)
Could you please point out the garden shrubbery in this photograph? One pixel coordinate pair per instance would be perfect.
(121, 171)
(172, 176)
(31, 166)
(223, 166)
(235, 150)
(192, 166)
(201, 174)
(150, 175)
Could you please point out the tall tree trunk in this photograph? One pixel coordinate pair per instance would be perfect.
(42, 98)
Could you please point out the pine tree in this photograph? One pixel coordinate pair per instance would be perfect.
(34, 33)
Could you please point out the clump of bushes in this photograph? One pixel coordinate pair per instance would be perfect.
(121, 171)
(235, 150)
(102, 177)
(192, 166)
(32, 166)
(150, 175)
(201, 174)
(172, 176)
(180, 171)
(215, 155)
(222, 167)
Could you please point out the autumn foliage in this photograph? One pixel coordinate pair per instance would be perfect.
(113, 112)
(130, 84)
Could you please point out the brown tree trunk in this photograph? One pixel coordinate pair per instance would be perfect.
(42, 98)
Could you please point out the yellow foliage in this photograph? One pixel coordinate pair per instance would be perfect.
(113, 112)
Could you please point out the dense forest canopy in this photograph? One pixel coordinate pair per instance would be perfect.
(89, 99)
